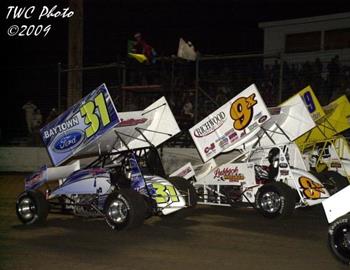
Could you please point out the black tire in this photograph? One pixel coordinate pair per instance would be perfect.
(32, 207)
(333, 181)
(339, 238)
(131, 209)
(186, 189)
(275, 200)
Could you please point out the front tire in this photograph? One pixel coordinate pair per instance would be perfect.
(275, 200)
(125, 209)
(32, 207)
(339, 238)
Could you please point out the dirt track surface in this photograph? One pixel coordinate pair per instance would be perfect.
(205, 238)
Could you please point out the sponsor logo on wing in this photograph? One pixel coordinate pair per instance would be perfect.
(68, 141)
(232, 135)
(74, 121)
(131, 122)
(210, 149)
(262, 119)
(184, 172)
(228, 174)
(210, 126)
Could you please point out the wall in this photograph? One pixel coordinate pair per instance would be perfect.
(29, 159)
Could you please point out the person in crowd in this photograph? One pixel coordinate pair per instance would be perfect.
(52, 115)
(29, 109)
(187, 108)
(37, 122)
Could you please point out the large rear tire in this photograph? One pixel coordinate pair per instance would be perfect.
(275, 200)
(186, 189)
(32, 207)
(339, 238)
(125, 209)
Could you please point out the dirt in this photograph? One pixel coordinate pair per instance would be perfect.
(203, 238)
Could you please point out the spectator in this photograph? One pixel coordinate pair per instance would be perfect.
(52, 115)
(29, 109)
(36, 125)
(141, 47)
(187, 108)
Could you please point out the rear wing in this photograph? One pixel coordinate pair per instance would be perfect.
(231, 125)
(137, 129)
(80, 126)
(333, 119)
(288, 122)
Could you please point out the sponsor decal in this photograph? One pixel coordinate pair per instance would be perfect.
(253, 126)
(283, 165)
(284, 172)
(228, 174)
(184, 172)
(262, 119)
(231, 135)
(74, 121)
(210, 149)
(131, 122)
(67, 141)
(335, 164)
(210, 126)
(258, 115)
(223, 142)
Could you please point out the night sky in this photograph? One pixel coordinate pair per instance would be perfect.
(214, 27)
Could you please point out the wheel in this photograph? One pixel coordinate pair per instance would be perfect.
(275, 200)
(32, 207)
(186, 189)
(339, 238)
(125, 209)
(333, 181)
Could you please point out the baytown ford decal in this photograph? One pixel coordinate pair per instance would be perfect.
(210, 126)
(67, 141)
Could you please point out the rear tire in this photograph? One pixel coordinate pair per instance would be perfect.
(32, 207)
(125, 209)
(339, 238)
(275, 200)
(333, 181)
(186, 189)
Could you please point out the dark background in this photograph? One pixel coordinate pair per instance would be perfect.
(214, 27)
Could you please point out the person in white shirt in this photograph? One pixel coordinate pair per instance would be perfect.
(29, 109)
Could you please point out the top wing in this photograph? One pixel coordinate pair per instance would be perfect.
(332, 119)
(80, 126)
(288, 122)
(231, 125)
(152, 126)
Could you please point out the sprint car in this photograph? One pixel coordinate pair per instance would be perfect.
(323, 147)
(337, 210)
(126, 181)
(269, 172)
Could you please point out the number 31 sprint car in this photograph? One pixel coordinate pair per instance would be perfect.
(125, 184)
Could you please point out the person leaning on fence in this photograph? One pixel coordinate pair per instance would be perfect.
(29, 109)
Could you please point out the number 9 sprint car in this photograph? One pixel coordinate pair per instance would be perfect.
(269, 173)
(124, 184)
